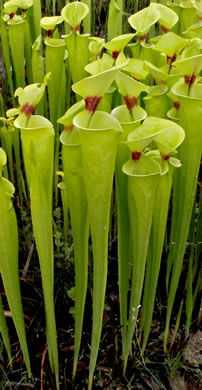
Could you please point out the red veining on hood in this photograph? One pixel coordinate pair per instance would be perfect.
(28, 109)
(91, 103)
(69, 127)
(171, 59)
(165, 157)
(189, 79)
(143, 37)
(176, 105)
(115, 54)
(76, 28)
(131, 101)
(136, 155)
(164, 29)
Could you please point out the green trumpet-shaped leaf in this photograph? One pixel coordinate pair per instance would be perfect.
(72, 164)
(67, 118)
(159, 75)
(198, 5)
(38, 69)
(25, 4)
(94, 87)
(145, 52)
(6, 53)
(171, 44)
(193, 49)
(185, 185)
(159, 222)
(143, 176)
(130, 89)
(3, 160)
(8, 122)
(190, 67)
(7, 135)
(87, 19)
(54, 48)
(34, 19)
(168, 18)
(193, 31)
(144, 167)
(128, 86)
(74, 13)
(50, 22)
(38, 152)
(4, 330)
(98, 66)
(157, 102)
(31, 94)
(12, 113)
(175, 162)
(9, 262)
(173, 113)
(15, 20)
(10, 7)
(28, 99)
(127, 120)
(99, 142)
(142, 136)
(121, 182)
(95, 46)
(170, 139)
(144, 19)
(136, 69)
(77, 43)
(114, 25)
(117, 44)
(16, 42)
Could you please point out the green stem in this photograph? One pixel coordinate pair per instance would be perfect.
(71, 156)
(16, 42)
(190, 156)
(99, 144)
(38, 152)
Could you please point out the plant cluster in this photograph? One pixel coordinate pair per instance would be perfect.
(127, 107)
